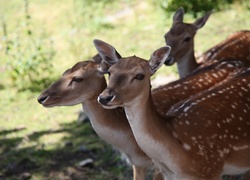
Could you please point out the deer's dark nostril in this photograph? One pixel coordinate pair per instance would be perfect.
(105, 100)
(169, 61)
(41, 99)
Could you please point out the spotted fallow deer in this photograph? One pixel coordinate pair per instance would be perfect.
(203, 137)
(83, 83)
(181, 39)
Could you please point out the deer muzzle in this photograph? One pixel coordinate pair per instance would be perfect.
(104, 100)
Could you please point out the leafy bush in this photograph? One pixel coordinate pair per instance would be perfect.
(29, 54)
(195, 6)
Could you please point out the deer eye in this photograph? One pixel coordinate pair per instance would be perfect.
(187, 39)
(77, 79)
(140, 76)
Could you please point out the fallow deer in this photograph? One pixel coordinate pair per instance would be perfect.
(181, 39)
(203, 137)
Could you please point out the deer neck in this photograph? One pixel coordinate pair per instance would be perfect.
(187, 64)
(104, 121)
(141, 112)
(104, 117)
(149, 128)
(155, 135)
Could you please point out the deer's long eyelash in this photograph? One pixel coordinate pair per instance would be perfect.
(187, 39)
(77, 79)
(139, 77)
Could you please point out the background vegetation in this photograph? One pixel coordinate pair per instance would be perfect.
(39, 39)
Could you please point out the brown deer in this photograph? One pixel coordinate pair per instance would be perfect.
(181, 39)
(203, 137)
(83, 83)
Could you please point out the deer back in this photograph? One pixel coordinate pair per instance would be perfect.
(235, 46)
(201, 79)
(214, 126)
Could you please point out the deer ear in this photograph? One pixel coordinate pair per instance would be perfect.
(200, 22)
(178, 16)
(107, 52)
(158, 58)
(97, 59)
(103, 68)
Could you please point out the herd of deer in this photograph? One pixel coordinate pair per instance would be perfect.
(197, 127)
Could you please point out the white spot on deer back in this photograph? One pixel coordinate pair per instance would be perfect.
(186, 108)
(238, 148)
(186, 146)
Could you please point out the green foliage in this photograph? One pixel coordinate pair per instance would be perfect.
(195, 6)
(243, 3)
(29, 54)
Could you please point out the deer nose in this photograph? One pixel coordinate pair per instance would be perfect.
(41, 99)
(104, 100)
(169, 61)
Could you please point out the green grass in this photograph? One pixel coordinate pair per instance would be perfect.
(46, 142)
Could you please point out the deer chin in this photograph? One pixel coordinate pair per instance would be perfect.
(49, 104)
(169, 61)
(110, 106)
(53, 104)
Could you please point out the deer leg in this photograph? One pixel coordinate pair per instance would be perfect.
(139, 173)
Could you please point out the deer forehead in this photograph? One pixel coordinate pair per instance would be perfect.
(86, 69)
(84, 65)
(181, 29)
(128, 65)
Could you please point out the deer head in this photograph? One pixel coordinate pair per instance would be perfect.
(73, 87)
(181, 36)
(111, 57)
(181, 39)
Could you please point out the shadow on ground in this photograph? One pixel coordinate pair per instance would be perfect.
(40, 162)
